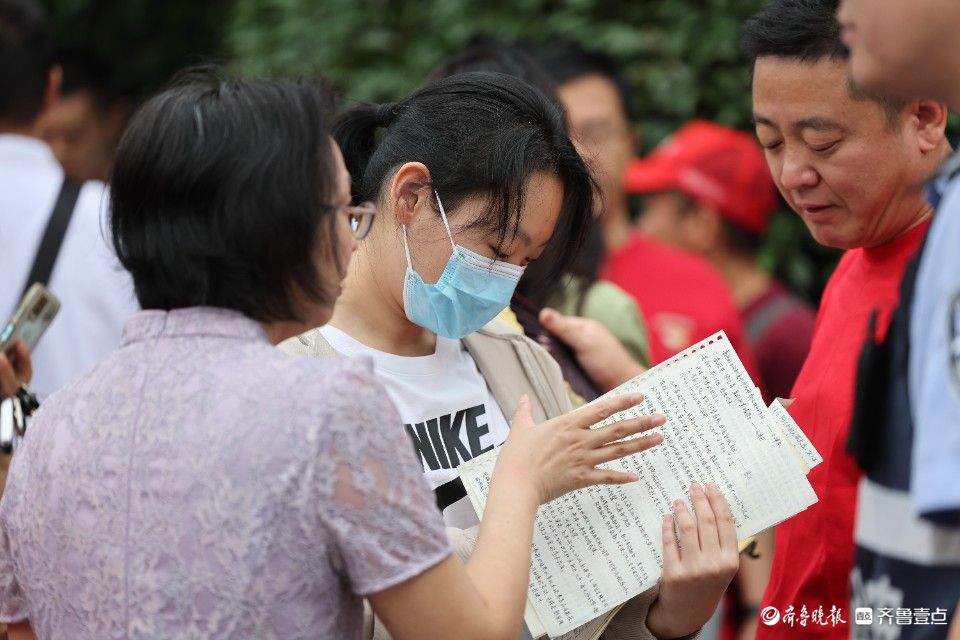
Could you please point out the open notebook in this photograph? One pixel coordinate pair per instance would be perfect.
(596, 548)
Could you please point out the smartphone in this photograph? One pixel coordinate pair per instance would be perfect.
(34, 314)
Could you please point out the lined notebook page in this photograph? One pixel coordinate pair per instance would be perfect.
(596, 548)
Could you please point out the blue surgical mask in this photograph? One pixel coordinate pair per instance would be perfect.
(471, 291)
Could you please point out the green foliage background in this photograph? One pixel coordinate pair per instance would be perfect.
(681, 57)
(143, 41)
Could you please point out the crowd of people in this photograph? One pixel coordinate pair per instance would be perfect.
(284, 325)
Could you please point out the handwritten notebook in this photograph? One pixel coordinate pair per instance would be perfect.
(596, 548)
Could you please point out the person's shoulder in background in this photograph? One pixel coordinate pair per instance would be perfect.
(613, 307)
(682, 297)
(779, 327)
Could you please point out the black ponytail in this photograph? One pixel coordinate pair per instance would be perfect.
(386, 113)
(355, 132)
(478, 133)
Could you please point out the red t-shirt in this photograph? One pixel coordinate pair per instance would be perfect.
(815, 549)
(681, 296)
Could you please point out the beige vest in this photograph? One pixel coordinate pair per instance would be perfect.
(511, 363)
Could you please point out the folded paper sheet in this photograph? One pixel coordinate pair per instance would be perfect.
(596, 548)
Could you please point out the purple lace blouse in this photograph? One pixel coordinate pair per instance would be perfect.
(199, 483)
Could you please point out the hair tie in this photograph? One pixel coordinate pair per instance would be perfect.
(386, 113)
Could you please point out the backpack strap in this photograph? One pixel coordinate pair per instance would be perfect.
(53, 236)
(767, 316)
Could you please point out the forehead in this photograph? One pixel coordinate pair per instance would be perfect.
(543, 198)
(591, 97)
(787, 91)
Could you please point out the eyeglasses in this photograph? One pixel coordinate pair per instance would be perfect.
(361, 218)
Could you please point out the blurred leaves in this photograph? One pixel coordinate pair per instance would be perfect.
(143, 41)
(681, 57)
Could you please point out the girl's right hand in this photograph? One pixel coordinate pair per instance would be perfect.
(560, 455)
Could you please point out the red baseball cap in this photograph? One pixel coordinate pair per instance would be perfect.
(721, 167)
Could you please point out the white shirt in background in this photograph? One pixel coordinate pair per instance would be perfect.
(96, 295)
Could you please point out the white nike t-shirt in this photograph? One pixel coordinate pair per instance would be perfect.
(447, 410)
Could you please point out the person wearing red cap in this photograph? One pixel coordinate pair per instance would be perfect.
(682, 297)
(708, 190)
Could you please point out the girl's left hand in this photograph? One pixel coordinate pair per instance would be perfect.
(698, 571)
(15, 369)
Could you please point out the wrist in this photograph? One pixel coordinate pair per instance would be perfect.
(520, 484)
(661, 623)
(611, 377)
(747, 611)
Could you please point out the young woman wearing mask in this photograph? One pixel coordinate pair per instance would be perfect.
(472, 175)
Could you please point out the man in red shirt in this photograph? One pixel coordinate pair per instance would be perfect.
(852, 166)
(708, 190)
(681, 296)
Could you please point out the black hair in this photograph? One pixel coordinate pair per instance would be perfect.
(741, 241)
(804, 29)
(538, 284)
(82, 71)
(479, 134)
(223, 192)
(25, 60)
(509, 59)
(808, 31)
(584, 268)
(567, 62)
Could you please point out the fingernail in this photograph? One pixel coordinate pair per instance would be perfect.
(657, 420)
(678, 504)
(637, 398)
(667, 518)
(712, 487)
(696, 488)
(633, 477)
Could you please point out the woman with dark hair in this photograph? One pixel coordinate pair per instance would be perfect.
(472, 176)
(577, 291)
(199, 483)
